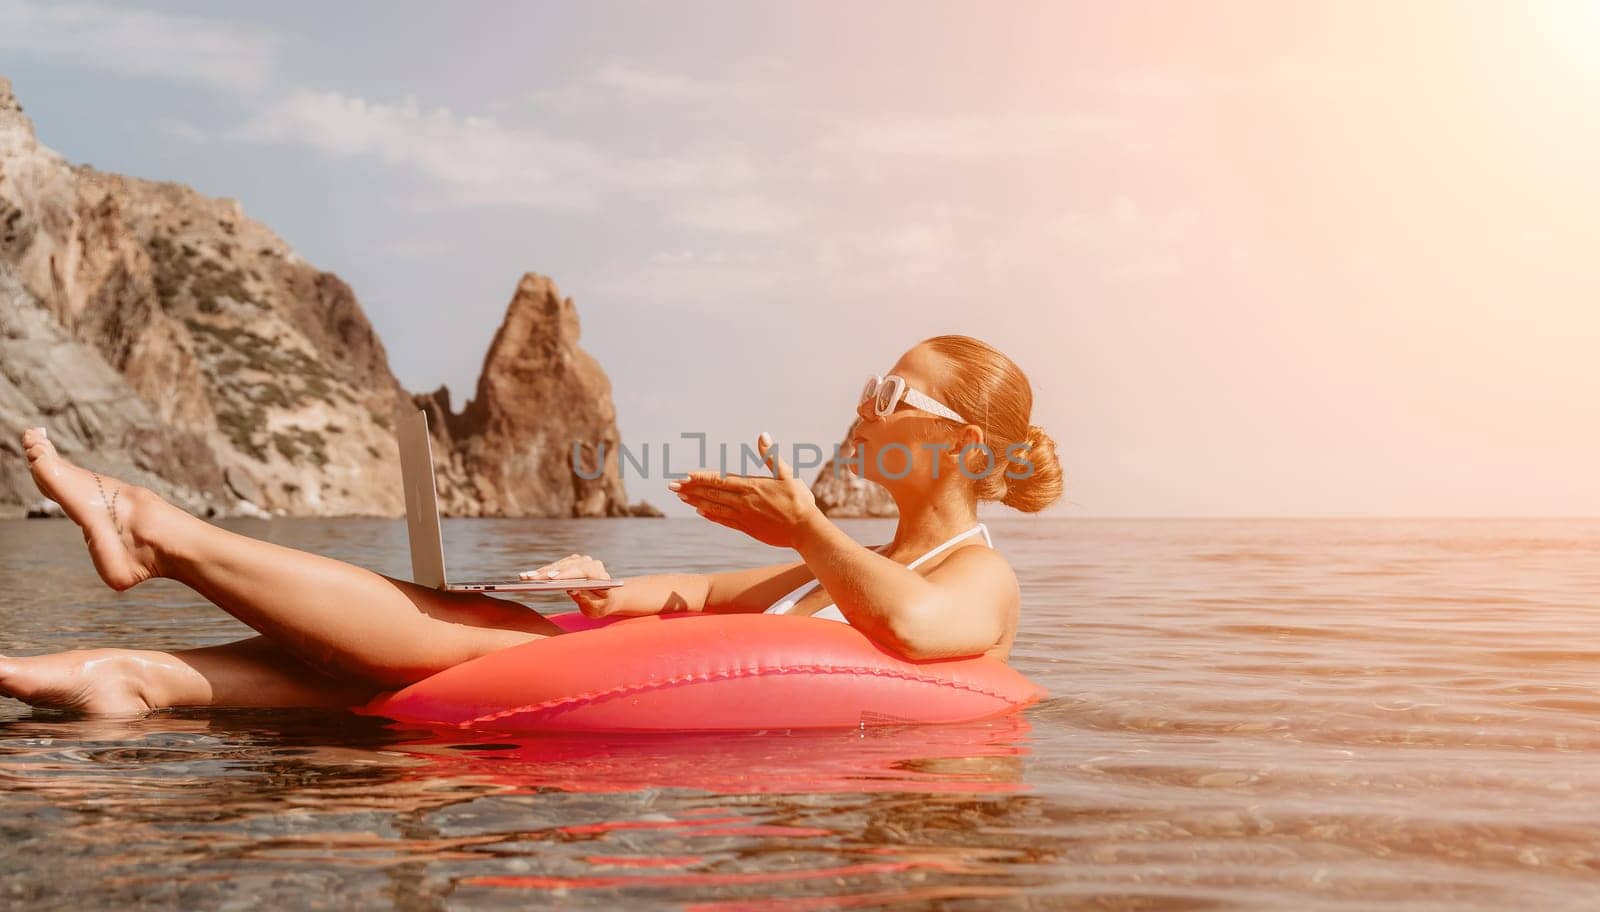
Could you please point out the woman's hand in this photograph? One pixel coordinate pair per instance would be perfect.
(770, 510)
(594, 603)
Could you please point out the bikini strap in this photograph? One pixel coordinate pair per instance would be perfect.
(789, 601)
(980, 527)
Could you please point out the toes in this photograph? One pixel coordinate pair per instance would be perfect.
(36, 444)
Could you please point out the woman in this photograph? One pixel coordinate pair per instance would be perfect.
(936, 432)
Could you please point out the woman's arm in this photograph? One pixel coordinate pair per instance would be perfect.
(754, 590)
(959, 608)
(661, 593)
(748, 591)
(730, 592)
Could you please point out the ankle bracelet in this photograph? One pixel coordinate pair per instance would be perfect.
(111, 505)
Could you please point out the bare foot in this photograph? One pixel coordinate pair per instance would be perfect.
(91, 501)
(96, 681)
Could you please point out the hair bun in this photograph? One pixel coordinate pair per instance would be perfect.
(1033, 474)
(1020, 469)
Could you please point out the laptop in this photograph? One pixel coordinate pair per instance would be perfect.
(422, 523)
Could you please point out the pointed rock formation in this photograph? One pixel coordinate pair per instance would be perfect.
(529, 441)
(262, 369)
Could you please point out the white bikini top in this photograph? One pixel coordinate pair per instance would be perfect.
(831, 613)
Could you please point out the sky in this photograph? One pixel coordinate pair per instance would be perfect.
(1257, 259)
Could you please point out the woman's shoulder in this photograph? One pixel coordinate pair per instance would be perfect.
(974, 551)
(978, 559)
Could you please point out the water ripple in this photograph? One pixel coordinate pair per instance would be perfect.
(1327, 714)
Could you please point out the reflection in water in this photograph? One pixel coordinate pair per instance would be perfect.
(1247, 714)
(190, 806)
(972, 757)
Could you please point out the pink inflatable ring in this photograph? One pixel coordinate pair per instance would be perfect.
(705, 672)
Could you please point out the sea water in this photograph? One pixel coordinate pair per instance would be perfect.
(1273, 714)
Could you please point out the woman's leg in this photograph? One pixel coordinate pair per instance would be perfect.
(340, 618)
(250, 673)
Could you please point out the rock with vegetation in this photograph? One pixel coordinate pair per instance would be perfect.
(248, 379)
(95, 418)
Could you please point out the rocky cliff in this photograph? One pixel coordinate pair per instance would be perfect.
(162, 331)
(48, 378)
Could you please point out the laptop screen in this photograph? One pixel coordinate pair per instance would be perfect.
(422, 501)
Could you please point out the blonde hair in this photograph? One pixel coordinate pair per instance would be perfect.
(994, 394)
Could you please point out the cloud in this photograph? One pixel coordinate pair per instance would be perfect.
(707, 281)
(419, 247)
(140, 43)
(885, 234)
(178, 128)
(879, 147)
(905, 250)
(708, 182)
(1286, 77)
(1130, 245)
(480, 161)
(641, 84)
(893, 257)
(476, 160)
(743, 214)
(700, 168)
(624, 82)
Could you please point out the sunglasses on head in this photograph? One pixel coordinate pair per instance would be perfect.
(888, 392)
